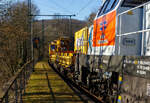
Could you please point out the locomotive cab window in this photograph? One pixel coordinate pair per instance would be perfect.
(112, 4)
(133, 3)
(102, 8)
(108, 6)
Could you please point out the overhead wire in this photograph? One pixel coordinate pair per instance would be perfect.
(84, 7)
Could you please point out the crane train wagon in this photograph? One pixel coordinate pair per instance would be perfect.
(111, 57)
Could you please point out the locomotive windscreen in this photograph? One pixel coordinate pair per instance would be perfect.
(133, 3)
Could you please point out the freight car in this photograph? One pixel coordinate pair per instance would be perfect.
(61, 56)
(112, 56)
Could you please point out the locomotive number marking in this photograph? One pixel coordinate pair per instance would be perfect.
(141, 72)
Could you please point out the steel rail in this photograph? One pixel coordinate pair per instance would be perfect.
(80, 88)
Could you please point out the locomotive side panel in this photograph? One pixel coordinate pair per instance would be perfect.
(104, 34)
(135, 90)
(135, 85)
(129, 22)
(147, 35)
(130, 45)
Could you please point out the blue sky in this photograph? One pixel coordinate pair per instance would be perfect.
(81, 8)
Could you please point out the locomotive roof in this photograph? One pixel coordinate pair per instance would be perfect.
(133, 2)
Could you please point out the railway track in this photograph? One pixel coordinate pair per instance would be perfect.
(80, 88)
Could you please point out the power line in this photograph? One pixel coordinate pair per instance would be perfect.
(51, 15)
(54, 15)
(85, 6)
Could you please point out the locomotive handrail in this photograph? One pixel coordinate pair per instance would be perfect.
(120, 34)
(130, 33)
(133, 8)
(5, 95)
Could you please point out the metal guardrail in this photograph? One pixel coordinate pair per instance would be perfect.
(15, 88)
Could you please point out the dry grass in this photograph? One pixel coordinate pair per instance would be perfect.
(45, 86)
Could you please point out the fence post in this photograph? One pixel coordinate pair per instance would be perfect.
(24, 78)
(6, 98)
(28, 71)
(16, 91)
(21, 87)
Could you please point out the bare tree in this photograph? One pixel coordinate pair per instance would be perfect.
(91, 18)
(15, 36)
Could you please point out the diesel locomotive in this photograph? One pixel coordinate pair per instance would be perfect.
(111, 57)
